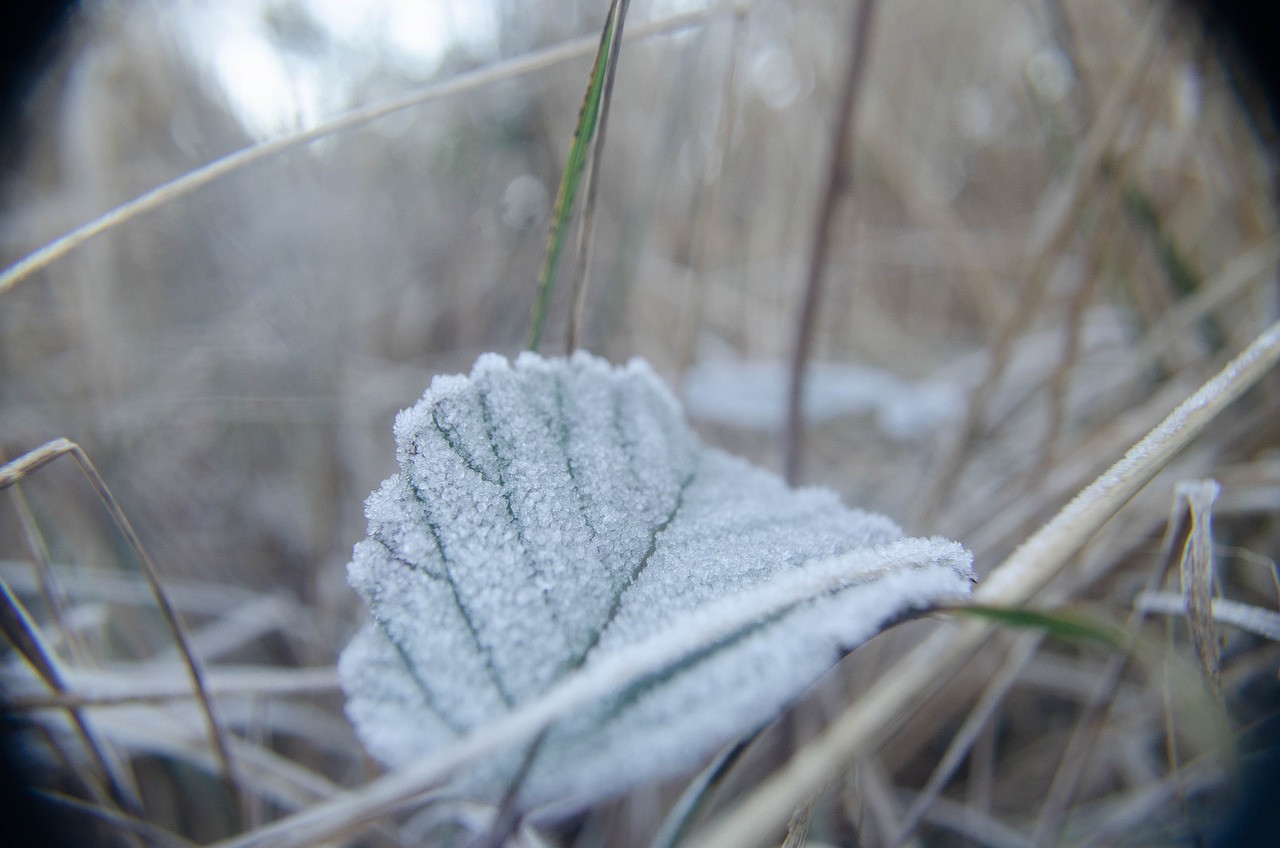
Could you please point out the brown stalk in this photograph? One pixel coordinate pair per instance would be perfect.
(839, 179)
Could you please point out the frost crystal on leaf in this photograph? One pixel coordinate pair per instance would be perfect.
(552, 514)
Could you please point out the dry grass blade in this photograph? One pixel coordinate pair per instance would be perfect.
(1054, 222)
(1196, 569)
(203, 176)
(839, 177)
(1026, 571)
(1256, 620)
(132, 685)
(50, 592)
(24, 465)
(22, 633)
(798, 827)
(586, 235)
(962, 742)
(150, 834)
(696, 794)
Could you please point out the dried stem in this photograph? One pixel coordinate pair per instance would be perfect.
(49, 589)
(962, 741)
(22, 633)
(839, 178)
(1054, 224)
(706, 204)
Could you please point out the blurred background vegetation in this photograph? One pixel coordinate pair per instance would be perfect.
(1061, 216)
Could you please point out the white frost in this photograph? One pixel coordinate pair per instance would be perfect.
(550, 515)
(753, 395)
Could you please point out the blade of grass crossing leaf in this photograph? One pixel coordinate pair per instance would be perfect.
(588, 113)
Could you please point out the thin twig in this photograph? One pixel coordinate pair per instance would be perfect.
(839, 179)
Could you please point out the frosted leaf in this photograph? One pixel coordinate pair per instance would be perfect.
(549, 515)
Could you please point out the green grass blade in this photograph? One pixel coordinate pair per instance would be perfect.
(588, 115)
(1064, 624)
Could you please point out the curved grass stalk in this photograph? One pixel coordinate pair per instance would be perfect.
(23, 466)
(215, 170)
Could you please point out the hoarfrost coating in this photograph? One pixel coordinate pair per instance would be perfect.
(550, 515)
